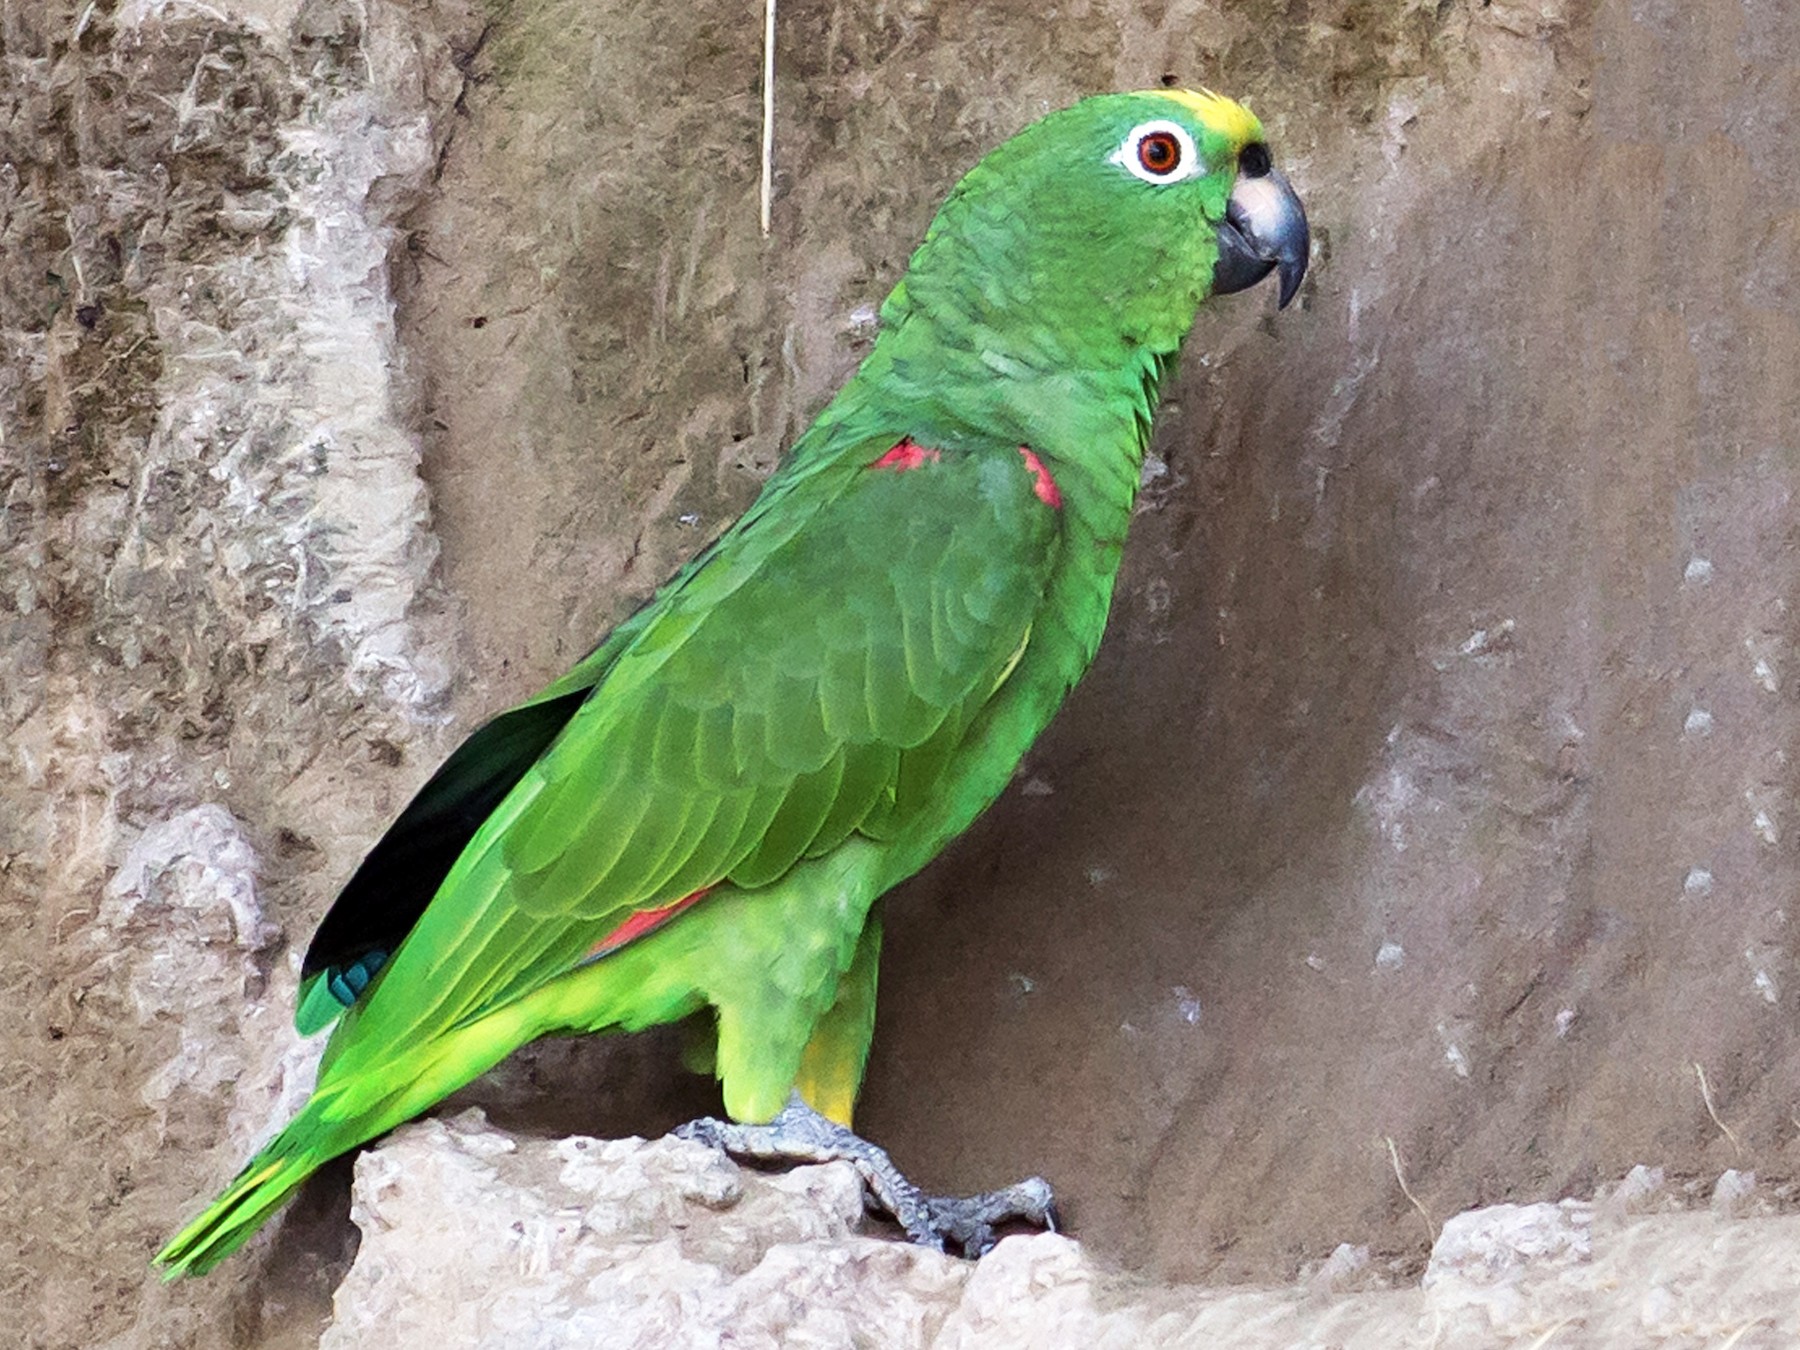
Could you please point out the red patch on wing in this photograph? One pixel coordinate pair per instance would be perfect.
(1045, 486)
(640, 923)
(906, 456)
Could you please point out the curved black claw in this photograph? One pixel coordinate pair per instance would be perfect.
(799, 1134)
(970, 1222)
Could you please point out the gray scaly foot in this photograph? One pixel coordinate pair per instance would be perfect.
(800, 1134)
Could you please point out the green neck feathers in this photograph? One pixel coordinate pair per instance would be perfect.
(1052, 290)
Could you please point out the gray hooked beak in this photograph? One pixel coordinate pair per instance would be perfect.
(1264, 230)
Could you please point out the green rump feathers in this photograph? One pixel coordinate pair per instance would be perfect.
(698, 820)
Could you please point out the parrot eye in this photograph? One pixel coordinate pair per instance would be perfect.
(1159, 152)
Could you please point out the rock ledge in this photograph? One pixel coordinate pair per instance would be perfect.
(475, 1238)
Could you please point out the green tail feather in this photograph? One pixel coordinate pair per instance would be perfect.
(334, 1121)
(340, 1115)
(259, 1190)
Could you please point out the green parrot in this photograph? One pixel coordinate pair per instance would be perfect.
(701, 816)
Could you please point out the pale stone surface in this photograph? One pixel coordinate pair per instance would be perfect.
(1491, 1246)
(474, 1239)
(193, 878)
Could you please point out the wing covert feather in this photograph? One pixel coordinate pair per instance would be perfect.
(809, 678)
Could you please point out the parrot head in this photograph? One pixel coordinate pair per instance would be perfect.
(1117, 216)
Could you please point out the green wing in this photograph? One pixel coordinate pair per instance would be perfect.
(395, 882)
(811, 676)
(398, 877)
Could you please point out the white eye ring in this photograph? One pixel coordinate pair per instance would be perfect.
(1129, 155)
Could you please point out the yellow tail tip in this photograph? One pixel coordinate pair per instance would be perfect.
(231, 1220)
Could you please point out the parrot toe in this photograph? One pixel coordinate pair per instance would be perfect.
(969, 1221)
(798, 1134)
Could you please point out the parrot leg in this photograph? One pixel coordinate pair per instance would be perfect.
(799, 1134)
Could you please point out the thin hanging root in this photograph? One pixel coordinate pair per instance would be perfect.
(1431, 1231)
(1711, 1110)
(768, 139)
